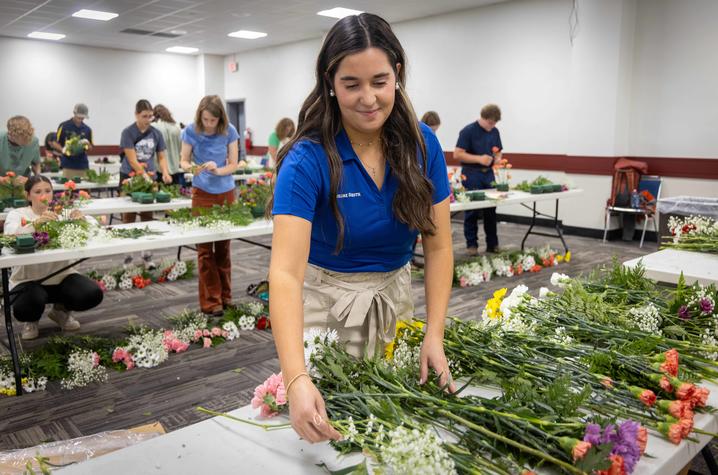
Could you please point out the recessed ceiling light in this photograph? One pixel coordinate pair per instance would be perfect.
(339, 12)
(182, 49)
(43, 35)
(247, 35)
(95, 15)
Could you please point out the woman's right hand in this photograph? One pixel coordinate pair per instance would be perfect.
(45, 217)
(308, 414)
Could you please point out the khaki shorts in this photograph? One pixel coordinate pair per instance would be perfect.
(363, 307)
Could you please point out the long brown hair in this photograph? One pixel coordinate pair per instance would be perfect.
(320, 121)
(163, 113)
(213, 105)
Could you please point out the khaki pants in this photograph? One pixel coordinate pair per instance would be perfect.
(363, 307)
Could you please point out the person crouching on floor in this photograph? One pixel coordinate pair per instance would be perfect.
(68, 290)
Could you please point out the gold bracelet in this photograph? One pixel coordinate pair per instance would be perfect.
(291, 381)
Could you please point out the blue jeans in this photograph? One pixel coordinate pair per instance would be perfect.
(478, 180)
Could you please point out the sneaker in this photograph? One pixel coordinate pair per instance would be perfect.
(472, 251)
(63, 319)
(218, 312)
(30, 331)
(493, 250)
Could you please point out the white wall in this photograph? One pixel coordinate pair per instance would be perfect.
(43, 81)
(675, 91)
(274, 82)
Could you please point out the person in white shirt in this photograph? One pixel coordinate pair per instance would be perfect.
(68, 290)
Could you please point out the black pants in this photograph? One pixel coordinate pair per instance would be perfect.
(76, 293)
(477, 180)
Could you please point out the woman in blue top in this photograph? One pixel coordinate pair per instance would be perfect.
(355, 185)
(211, 143)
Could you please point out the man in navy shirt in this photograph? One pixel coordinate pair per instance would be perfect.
(76, 164)
(479, 145)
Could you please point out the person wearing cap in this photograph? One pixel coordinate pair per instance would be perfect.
(19, 150)
(77, 164)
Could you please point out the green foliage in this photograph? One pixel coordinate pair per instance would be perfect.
(236, 213)
(103, 177)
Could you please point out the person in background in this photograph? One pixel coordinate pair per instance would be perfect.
(76, 164)
(432, 119)
(210, 148)
(354, 187)
(139, 143)
(69, 290)
(51, 146)
(19, 149)
(165, 123)
(282, 133)
(475, 151)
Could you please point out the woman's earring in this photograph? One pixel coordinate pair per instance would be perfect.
(331, 92)
(396, 86)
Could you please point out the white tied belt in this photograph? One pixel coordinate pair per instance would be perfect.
(359, 301)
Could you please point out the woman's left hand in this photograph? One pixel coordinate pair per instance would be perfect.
(76, 214)
(209, 166)
(167, 178)
(432, 356)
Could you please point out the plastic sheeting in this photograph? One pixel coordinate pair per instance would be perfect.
(689, 205)
(67, 452)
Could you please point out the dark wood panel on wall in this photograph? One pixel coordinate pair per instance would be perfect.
(705, 168)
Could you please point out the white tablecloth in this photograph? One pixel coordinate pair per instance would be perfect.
(220, 445)
(667, 265)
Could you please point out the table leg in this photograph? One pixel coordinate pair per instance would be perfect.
(533, 223)
(10, 332)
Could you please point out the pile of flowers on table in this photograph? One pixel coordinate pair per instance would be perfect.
(693, 233)
(140, 277)
(76, 361)
(506, 264)
(580, 380)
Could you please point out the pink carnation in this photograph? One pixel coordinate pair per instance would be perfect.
(216, 331)
(462, 282)
(205, 332)
(197, 335)
(225, 334)
(119, 354)
(207, 343)
(270, 395)
(95, 360)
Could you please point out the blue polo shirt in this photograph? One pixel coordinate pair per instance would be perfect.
(210, 148)
(374, 240)
(66, 130)
(477, 141)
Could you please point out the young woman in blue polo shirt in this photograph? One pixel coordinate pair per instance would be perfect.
(211, 143)
(356, 184)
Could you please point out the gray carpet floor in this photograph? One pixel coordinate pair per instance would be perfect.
(171, 392)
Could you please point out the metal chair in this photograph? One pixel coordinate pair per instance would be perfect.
(651, 184)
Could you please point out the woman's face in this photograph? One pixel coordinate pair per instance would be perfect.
(209, 122)
(144, 119)
(40, 195)
(364, 85)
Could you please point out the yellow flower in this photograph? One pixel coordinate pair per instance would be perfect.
(401, 325)
(499, 294)
(493, 305)
(568, 256)
(559, 258)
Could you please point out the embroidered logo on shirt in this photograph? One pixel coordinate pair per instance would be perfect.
(349, 195)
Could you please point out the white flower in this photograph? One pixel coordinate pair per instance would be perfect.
(411, 451)
(72, 236)
(255, 308)
(180, 267)
(543, 292)
(147, 348)
(125, 284)
(527, 262)
(232, 329)
(109, 281)
(314, 341)
(561, 337)
(559, 280)
(352, 431)
(647, 319)
(83, 368)
(513, 300)
(247, 322)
